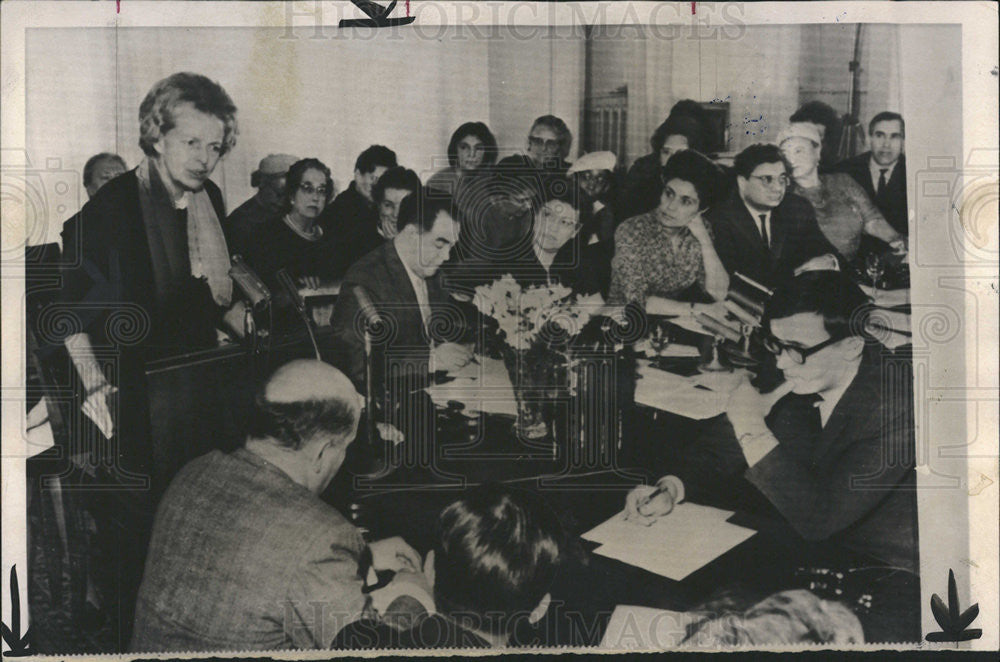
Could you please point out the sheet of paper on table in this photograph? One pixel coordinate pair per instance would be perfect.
(674, 546)
(644, 628)
(679, 395)
(482, 386)
(672, 351)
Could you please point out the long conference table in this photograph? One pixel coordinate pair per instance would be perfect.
(586, 488)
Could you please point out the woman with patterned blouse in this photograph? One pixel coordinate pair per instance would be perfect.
(664, 259)
(843, 209)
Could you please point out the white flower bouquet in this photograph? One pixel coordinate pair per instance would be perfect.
(539, 313)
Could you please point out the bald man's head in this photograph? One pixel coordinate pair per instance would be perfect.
(303, 400)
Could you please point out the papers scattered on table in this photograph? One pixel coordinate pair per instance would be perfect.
(673, 350)
(679, 395)
(482, 386)
(675, 545)
(644, 628)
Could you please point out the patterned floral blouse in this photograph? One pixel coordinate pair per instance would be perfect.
(653, 259)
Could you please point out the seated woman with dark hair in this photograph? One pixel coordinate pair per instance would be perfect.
(495, 555)
(294, 240)
(664, 259)
(472, 146)
(684, 128)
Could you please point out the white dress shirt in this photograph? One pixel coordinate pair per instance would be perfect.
(420, 288)
(755, 215)
(876, 171)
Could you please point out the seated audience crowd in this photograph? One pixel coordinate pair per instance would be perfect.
(247, 530)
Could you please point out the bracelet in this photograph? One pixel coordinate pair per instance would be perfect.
(96, 389)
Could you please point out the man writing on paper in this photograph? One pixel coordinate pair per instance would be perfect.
(402, 281)
(245, 556)
(832, 448)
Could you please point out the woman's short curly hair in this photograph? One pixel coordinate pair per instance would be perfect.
(695, 168)
(156, 112)
(293, 180)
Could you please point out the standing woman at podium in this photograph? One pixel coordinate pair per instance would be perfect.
(152, 281)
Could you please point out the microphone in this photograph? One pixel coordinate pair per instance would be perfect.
(300, 307)
(251, 286)
(291, 290)
(372, 318)
(257, 295)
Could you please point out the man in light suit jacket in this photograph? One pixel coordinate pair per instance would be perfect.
(834, 453)
(762, 231)
(409, 305)
(244, 555)
(882, 170)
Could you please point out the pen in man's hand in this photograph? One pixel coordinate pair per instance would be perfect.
(652, 495)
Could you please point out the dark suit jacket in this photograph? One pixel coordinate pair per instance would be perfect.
(795, 238)
(853, 482)
(403, 338)
(351, 222)
(244, 558)
(892, 203)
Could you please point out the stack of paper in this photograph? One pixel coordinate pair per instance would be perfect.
(680, 395)
(673, 546)
(483, 385)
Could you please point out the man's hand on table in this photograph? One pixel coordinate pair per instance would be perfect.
(827, 262)
(394, 554)
(647, 503)
(450, 356)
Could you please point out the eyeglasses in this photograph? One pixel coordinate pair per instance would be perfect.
(541, 142)
(309, 189)
(797, 354)
(771, 180)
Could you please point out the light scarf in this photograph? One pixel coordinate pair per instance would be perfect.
(207, 250)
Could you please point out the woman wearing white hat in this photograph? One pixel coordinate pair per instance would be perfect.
(843, 209)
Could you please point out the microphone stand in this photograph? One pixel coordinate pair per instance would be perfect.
(371, 318)
(300, 307)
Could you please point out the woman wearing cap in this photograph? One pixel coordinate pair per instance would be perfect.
(664, 259)
(594, 175)
(843, 209)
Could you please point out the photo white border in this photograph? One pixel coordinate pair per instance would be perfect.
(977, 574)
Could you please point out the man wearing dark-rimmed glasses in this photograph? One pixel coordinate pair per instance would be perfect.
(762, 231)
(831, 449)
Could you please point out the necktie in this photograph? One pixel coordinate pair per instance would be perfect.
(763, 230)
(881, 182)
